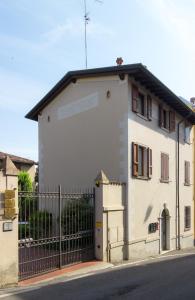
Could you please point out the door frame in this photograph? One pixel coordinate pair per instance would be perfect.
(168, 239)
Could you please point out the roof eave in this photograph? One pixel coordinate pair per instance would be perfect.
(139, 71)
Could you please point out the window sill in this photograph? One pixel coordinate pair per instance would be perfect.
(141, 177)
(164, 181)
(165, 129)
(187, 229)
(143, 117)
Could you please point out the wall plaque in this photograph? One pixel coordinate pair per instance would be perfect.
(98, 224)
(9, 194)
(10, 213)
(7, 226)
(10, 204)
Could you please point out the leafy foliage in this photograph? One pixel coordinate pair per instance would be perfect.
(24, 182)
(38, 226)
(77, 215)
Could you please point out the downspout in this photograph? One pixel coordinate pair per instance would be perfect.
(177, 189)
(178, 184)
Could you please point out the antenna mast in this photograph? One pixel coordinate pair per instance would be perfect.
(86, 19)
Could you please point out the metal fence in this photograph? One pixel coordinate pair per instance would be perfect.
(55, 229)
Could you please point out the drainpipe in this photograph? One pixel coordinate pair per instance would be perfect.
(178, 185)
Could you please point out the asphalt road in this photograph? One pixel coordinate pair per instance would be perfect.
(170, 279)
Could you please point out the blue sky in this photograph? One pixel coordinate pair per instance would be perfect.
(41, 40)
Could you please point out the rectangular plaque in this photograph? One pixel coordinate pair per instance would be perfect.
(10, 213)
(7, 226)
(98, 224)
(9, 194)
(9, 203)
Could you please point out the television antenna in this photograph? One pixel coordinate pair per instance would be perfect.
(86, 22)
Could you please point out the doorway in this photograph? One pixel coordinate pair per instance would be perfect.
(165, 230)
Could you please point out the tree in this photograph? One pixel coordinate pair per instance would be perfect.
(25, 201)
(24, 182)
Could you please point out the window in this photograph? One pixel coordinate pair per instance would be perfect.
(1, 164)
(164, 167)
(166, 119)
(141, 161)
(141, 104)
(187, 131)
(187, 173)
(187, 217)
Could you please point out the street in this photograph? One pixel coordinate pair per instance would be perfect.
(169, 279)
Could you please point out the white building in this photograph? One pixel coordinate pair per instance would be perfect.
(126, 122)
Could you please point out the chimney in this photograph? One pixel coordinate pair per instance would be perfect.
(119, 61)
(192, 100)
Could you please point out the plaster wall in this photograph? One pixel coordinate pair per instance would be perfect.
(147, 198)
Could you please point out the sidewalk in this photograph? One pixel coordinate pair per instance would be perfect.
(88, 269)
(67, 272)
(92, 267)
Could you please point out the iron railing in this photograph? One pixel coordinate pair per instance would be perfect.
(55, 229)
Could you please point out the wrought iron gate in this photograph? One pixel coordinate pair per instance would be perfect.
(55, 229)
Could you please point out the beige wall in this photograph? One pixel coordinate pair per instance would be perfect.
(9, 248)
(83, 131)
(89, 136)
(8, 181)
(146, 198)
(12, 181)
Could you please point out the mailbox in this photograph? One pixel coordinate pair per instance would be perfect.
(153, 227)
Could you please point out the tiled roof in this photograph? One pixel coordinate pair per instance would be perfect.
(17, 159)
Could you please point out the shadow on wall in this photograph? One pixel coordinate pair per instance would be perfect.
(148, 212)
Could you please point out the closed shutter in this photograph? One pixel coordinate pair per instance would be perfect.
(187, 172)
(187, 217)
(161, 123)
(134, 159)
(164, 167)
(172, 121)
(149, 163)
(135, 96)
(149, 107)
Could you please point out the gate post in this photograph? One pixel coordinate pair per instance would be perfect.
(60, 226)
(8, 238)
(109, 219)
